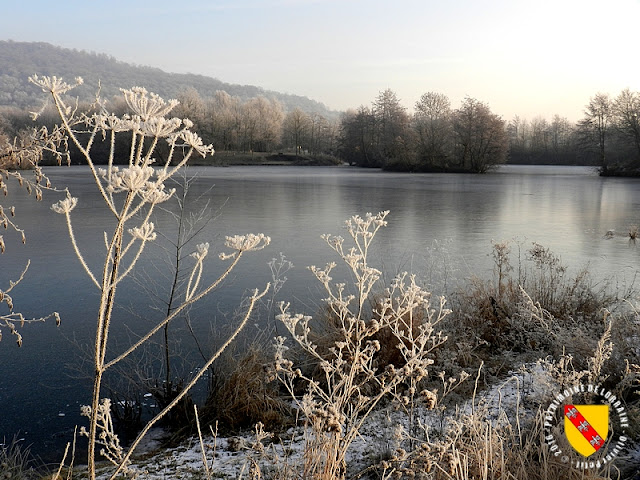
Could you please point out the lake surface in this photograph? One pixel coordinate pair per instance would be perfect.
(440, 227)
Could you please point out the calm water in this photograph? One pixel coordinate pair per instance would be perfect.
(440, 227)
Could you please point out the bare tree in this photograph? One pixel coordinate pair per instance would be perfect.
(225, 115)
(296, 128)
(539, 130)
(594, 127)
(357, 137)
(626, 108)
(392, 126)
(191, 106)
(432, 122)
(270, 116)
(517, 131)
(481, 139)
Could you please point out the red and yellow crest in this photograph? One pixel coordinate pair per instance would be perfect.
(586, 427)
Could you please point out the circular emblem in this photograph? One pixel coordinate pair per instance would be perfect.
(586, 425)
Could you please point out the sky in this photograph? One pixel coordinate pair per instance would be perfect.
(528, 58)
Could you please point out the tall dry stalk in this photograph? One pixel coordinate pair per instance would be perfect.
(131, 193)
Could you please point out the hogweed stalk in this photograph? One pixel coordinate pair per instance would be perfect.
(132, 192)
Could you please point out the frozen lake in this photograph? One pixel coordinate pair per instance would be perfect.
(440, 227)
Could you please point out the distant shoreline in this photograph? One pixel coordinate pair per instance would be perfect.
(227, 159)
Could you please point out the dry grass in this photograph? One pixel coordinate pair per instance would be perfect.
(245, 394)
(479, 448)
(16, 461)
(495, 314)
(500, 435)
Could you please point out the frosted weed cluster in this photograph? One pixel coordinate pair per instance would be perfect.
(351, 381)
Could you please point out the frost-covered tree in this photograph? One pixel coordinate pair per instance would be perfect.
(595, 125)
(269, 116)
(296, 128)
(392, 127)
(357, 138)
(626, 108)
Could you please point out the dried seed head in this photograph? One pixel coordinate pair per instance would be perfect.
(430, 398)
(65, 206)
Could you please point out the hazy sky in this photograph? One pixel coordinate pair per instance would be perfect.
(527, 58)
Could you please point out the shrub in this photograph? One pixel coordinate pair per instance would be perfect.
(497, 313)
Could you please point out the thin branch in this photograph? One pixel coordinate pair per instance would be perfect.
(175, 313)
(76, 249)
(252, 301)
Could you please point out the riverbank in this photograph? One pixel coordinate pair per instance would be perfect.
(620, 171)
(227, 159)
(503, 417)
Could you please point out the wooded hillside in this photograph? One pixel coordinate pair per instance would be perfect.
(19, 60)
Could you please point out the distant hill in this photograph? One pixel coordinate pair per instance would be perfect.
(19, 60)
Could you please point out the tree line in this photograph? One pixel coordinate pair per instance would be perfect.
(258, 124)
(435, 137)
(607, 135)
(231, 124)
(473, 139)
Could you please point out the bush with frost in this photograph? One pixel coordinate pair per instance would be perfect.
(352, 381)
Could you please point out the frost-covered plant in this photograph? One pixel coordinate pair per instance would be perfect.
(131, 194)
(279, 267)
(111, 448)
(24, 153)
(499, 433)
(13, 319)
(533, 308)
(352, 382)
(16, 461)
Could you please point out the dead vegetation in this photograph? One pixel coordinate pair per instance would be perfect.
(558, 333)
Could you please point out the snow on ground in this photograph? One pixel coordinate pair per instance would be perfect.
(230, 457)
